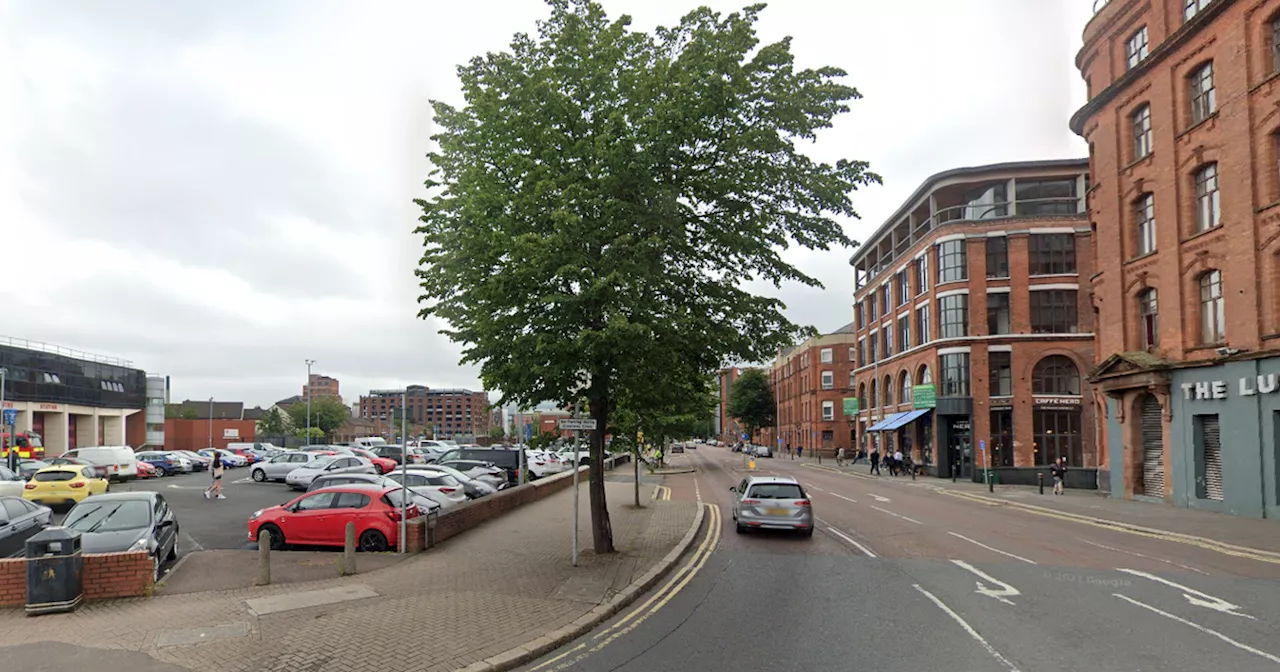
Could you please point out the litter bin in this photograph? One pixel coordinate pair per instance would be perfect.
(55, 571)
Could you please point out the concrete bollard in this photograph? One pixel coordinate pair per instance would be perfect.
(347, 566)
(264, 559)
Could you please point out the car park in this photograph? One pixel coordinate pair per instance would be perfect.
(483, 471)
(119, 461)
(475, 488)
(167, 464)
(127, 521)
(19, 521)
(300, 478)
(772, 503)
(246, 453)
(424, 498)
(198, 462)
(278, 467)
(506, 459)
(320, 518)
(382, 464)
(65, 484)
(397, 453)
(229, 459)
(440, 487)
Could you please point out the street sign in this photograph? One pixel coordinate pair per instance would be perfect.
(578, 423)
(982, 444)
(10, 416)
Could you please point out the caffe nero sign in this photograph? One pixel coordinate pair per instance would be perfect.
(1247, 386)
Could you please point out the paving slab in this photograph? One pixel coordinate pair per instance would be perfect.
(213, 633)
(262, 606)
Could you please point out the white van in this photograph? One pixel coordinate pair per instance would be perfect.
(368, 442)
(120, 462)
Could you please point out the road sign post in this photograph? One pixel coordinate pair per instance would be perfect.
(577, 425)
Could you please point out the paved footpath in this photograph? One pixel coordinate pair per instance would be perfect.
(480, 594)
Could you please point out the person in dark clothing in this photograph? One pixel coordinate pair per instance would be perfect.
(1059, 471)
(875, 461)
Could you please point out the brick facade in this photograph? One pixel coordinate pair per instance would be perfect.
(1014, 233)
(106, 576)
(810, 382)
(727, 429)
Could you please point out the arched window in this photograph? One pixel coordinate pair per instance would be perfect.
(1056, 374)
(925, 377)
(1149, 314)
(904, 396)
(1213, 313)
(862, 396)
(875, 398)
(888, 390)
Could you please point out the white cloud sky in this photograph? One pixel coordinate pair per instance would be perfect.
(218, 191)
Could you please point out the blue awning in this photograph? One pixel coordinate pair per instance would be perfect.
(902, 419)
(886, 421)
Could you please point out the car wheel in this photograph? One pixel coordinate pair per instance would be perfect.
(277, 537)
(372, 541)
(808, 534)
(173, 552)
(740, 529)
(259, 475)
(156, 563)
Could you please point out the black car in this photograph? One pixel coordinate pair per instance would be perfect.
(19, 521)
(505, 459)
(127, 521)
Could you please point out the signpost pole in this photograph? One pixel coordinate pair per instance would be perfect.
(404, 492)
(11, 443)
(576, 468)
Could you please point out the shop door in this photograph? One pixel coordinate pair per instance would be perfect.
(960, 448)
(1212, 486)
(71, 431)
(37, 424)
(1152, 448)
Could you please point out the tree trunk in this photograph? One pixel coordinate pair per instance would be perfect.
(601, 529)
(635, 466)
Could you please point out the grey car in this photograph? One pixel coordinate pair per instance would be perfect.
(276, 468)
(772, 503)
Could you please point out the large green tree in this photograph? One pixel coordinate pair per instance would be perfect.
(275, 423)
(327, 414)
(603, 196)
(751, 400)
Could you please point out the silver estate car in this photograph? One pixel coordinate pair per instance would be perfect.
(772, 503)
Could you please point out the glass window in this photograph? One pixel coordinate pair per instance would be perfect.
(1141, 124)
(1046, 197)
(998, 320)
(904, 395)
(1002, 438)
(862, 352)
(1056, 375)
(1057, 434)
(851, 380)
(886, 340)
(828, 380)
(987, 202)
(322, 500)
(902, 288)
(1275, 44)
(872, 342)
(1135, 48)
(1001, 373)
(862, 396)
(875, 394)
(1149, 312)
(953, 316)
(904, 333)
(1052, 253)
(1192, 7)
(955, 374)
(1054, 311)
(922, 325)
(998, 257)
(1145, 214)
(888, 390)
(350, 500)
(926, 378)
(826, 355)
(922, 275)
(952, 261)
(871, 308)
(1213, 314)
(1208, 203)
(886, 299)
(860, 315)
(1204, 100)
(852, 354)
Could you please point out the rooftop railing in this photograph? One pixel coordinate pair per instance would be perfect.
(64, 352)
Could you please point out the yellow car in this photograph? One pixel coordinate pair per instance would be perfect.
(64, 484)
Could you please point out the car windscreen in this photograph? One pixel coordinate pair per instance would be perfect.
(109, 516)
(56, 475)
(320, 462)
(776, 491)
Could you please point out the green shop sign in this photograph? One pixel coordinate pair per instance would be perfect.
(850, 405)
(924, 396)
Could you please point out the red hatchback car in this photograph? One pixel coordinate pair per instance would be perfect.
(382, 464)
(320, 518)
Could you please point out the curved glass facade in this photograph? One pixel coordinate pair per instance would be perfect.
(46, 377)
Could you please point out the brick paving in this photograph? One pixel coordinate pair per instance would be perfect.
(479, 594)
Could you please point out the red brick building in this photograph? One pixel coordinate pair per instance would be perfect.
(321, 386)
(1183, 126)
(810, 383)
(451, 412)
(972, 330)
(727, 428)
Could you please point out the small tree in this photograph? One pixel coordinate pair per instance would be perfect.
(751, 400)
(497, 432)
(274, 423)
(316, 433)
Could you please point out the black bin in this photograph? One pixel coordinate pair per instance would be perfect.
(55, 571)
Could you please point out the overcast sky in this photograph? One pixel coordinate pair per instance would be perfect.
(218, 191)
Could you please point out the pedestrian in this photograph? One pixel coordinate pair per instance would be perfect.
(840, 457)
(1059, 471)
(799, 451)
(898, 465)
(789, 453)
(215, 488)
(875, 461)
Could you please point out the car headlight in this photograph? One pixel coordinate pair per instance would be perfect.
(139, 545)
(256, 514)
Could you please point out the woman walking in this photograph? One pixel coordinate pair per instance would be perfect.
(215, 488)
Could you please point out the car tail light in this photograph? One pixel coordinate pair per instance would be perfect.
(78, 484)
(394, 515)
(802, 502)
(29, 486)
(448, 490)
(750, 501)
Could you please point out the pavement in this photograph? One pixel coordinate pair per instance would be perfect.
(922, 575)
(500, 586)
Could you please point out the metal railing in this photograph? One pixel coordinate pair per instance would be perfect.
(61, 351)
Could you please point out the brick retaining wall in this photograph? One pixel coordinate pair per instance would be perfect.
(106, 576)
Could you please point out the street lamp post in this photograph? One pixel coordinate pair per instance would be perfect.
(11, 443)
(210, 422)
(309, 363)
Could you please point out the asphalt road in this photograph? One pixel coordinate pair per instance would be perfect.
(902, 577)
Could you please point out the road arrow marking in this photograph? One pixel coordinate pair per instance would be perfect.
(878, 498)
(1194, 596)
(1005, 590)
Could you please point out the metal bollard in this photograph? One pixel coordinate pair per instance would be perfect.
(914, 469)
(347, 566)
(1040, 478)
(264, 559)
(955, 469)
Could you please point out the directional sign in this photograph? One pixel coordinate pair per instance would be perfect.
(10, 416)
(577, 423)
(982, 444)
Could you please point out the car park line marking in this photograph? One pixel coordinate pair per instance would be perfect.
(993, 550)
(967, 628)
(1140, 555)
(1005, 590)
(850, 540)
(1239, 645)
(1193, 596)
(897, 515)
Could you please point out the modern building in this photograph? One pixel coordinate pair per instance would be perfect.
(72, 398)
(1183, 126)
(973, 333)
(727, 427)
(157, 401)
(451, 413)
(810, 383)
(321, 386)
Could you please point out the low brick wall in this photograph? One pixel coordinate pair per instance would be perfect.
(106, 576)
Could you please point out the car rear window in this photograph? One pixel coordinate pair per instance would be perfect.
(53, 476)
(502, 458)
(776, 491)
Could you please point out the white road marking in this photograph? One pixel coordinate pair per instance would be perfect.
(188, 487)
(851, 541)
(897, 515)
(993, 550)
(1148, 557)
(878, 498)
(191, 543)
(1004, 592)
(967, 628)
(696, 490)
(1194, 596)
(847, 499)
(1201, 628)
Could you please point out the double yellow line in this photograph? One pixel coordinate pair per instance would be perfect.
(651, 606)
(661, 493)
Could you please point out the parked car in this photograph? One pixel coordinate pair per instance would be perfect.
(229, 459)
(198, 462)
(320, 518)
(61, 460)
(421, 497)
(507, 460)
(127, 521)
(19, 521)
(245, 452)
(440, 487)
(167, 464)
(773, 503)
(382, 464)
(65, 484)
(300, 478)
(278, 467)
(119, 461)
(145, 470)
(11, 483)
(396, 453)
(483, 471)
(474, 487)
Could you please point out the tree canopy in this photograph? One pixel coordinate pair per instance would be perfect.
(600, 201)
(751, 400)
(275, 423)
(327, 414)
